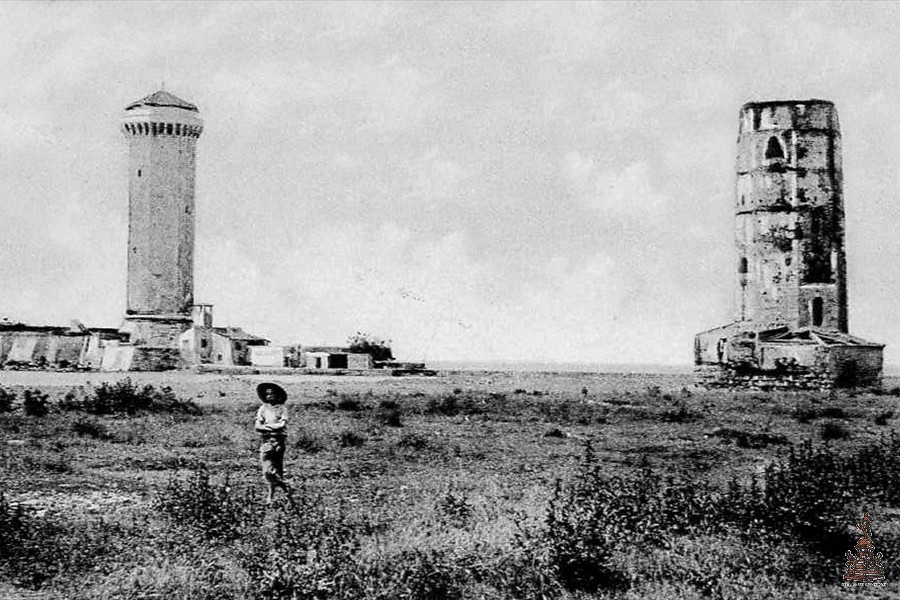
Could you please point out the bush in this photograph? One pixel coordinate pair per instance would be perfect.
(35, 403)
(90, 428)
(883, 417)
(391, 418)
(447, 405)
(7, 400)
(378, 349)
(34, 551)
(834, 430)
(309, 442)
(414, 441)
(351, 439)
(455, 508)
(125, 397)
(217, 510)
(349, 403)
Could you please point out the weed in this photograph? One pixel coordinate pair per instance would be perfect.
(446, 405)
(883, 417)
(351, 439)
(91, 428)
(35, 550)
(309, 442)
(391, 418)
(350, 404)
(834, 430)
(125, 397)
(744, 439)
(415, 441)
(217, 510)
(7, 400)
(389, 404)
(680, 412)
(35, 403)
(455, 508)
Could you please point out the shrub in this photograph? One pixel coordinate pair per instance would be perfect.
(90, 428)
(309, 442)
(125, 397)
(415, 441)
(446, 405)
(7, 400)
(556, 432)
(834, 430)
(349, 403)
(455, 508)
(391, 418)
(883, 417)
(388, 404)
(378, 349)
(34, 551)
(35, 403)
(680, 412)
(217, 510)
(351, 439)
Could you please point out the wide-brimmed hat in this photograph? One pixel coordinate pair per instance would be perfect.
(280, 394)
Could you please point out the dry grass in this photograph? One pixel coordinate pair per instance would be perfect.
(451, 476)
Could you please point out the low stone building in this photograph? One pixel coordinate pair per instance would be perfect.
(204, 344)
(73, 347)
(334, 358)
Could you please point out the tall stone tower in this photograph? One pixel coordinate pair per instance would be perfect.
(162, 132)
(789, 210)
(791, 325)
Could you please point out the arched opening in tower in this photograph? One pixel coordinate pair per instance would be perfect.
(774, 149)
(817, 312)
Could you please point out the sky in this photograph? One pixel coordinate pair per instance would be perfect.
(472, 181)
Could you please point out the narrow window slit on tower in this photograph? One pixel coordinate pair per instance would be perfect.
(742, 267)
(817, 310)
(774, 149)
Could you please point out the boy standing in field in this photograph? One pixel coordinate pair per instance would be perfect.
(271, 423)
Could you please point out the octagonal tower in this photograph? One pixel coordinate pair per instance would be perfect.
(162, 132)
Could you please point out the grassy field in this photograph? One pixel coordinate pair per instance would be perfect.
(467, 485)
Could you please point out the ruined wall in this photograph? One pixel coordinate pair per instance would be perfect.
(799, 367)
(43, 349)
(712, 377)
(789, 222)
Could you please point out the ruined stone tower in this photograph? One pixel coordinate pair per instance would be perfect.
(791, 323)
(162, 132)
(790, 216)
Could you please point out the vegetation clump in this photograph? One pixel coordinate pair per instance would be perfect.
(127, 398)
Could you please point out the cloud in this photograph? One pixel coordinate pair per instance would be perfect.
(627, 192)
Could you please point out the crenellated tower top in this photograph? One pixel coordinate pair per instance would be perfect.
(162, 113)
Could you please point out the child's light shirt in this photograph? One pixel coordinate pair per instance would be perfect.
(269, 414)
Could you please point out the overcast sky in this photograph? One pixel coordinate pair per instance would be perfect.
(471, 180)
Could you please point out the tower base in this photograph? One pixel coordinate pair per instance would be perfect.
(153, 343)
(744, 356)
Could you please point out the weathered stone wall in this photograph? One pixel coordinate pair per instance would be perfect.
(802, 368)
(790, 217)
(715, 377)
(149, 358)
(43, 349)
(162, 149)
